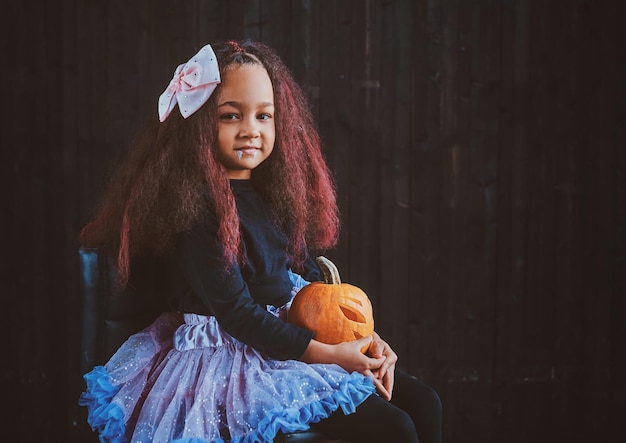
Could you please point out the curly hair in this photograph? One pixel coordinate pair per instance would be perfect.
(162, 187)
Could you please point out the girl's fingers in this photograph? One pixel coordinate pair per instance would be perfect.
(380, 387)
(388, 381)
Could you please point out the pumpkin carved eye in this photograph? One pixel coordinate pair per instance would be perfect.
(334, 311)
(352, 309)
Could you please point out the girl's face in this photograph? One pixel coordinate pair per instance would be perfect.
(245, 128)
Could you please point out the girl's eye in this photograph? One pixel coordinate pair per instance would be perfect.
(264, 116)
(228, 116)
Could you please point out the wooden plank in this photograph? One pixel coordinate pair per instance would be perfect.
(568, 182)
(37, 255)
(391, 81)
(335, 116)
(512, 216)
(11, 191)
(305, 50)
(276, 28)
(425, 307)
(252, 20)
(469, 125)
(608, 21)
(478, 120)
(364, 157)
(598, 241)
(427, 310)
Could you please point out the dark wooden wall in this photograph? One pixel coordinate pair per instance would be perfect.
(479, 153)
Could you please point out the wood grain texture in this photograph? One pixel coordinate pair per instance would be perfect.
(478, 153)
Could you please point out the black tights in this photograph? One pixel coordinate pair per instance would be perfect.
(414, 411)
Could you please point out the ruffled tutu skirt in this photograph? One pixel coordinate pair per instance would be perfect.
(184, 379)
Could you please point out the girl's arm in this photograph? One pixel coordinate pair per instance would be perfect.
(226, 295)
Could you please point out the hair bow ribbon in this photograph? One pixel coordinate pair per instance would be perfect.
(192, 85)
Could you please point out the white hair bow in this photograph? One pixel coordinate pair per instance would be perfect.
(192, 85)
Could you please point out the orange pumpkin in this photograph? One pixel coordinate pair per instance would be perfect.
(335, 311)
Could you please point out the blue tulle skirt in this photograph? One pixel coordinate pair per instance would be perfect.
(184, 379)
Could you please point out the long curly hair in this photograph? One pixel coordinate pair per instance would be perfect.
(161, 189)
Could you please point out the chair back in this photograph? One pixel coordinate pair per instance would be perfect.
(110, 314)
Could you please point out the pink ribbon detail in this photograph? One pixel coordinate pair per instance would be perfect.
(192, 85)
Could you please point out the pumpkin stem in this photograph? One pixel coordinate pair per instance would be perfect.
(329, 271)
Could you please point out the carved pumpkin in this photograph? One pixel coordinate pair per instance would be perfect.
(335, 311)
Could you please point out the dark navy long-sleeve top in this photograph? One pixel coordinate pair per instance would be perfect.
(238, 297)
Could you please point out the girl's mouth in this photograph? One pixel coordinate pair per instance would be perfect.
(246, 152)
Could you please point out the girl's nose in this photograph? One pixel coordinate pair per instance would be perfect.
(250, 128)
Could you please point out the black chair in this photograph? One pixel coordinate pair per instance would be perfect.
(109, 315)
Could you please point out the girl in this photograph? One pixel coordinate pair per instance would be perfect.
(230, 186)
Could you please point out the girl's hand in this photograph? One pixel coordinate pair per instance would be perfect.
(385, 373)
(348, 355)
